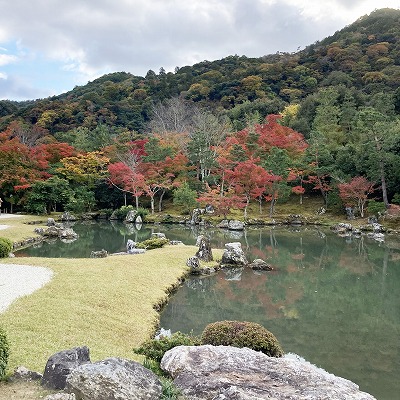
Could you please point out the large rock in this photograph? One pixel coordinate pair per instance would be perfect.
(233, 255)
(235, 225)
(260, 265)
(204, 252)
(131, 216)
(114, 379)
(223, 372)
(59, 366)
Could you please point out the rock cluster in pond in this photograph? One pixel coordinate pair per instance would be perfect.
(222, 372)
(231, 225)
(260, 265)
(374, 230)
(234, 255)
(57, 231)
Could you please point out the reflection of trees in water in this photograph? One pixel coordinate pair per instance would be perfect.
(334, 301)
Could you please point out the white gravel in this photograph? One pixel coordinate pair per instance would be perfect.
(20, 280)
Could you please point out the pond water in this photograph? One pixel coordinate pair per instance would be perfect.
(335, 301)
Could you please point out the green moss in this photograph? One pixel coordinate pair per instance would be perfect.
(242, 334)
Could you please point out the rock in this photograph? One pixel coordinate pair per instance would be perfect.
(39, 231)
(24, 374)
(51, 231)
(51, 222)
(223, 224)
(260, 265)
(158, 235)
(378, 228)
(138, 221)
(342, 228)
(59, 366)
(130, 245)
(137, 251)
(114, 215)
(175, 242)
(60, 396)
(233, 255)
(295, 219)
(223, 372)
(131, 216)
(204, 253)
(67, 233)
(194, 264)
(112, 379)
(62, 233)
(235, 225)
(99, 254)
(196, 216)
(67, 216)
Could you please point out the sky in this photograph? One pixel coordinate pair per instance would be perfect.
(48, 47)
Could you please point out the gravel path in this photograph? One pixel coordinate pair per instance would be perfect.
(20, 280)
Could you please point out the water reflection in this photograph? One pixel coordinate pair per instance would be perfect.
(333, 300)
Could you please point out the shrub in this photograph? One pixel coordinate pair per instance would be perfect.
(155, 348)
(152, 243)
(242, 334)
(185, 198)
(375, 207)
(122, 212)
(4, 353)
(6, 246)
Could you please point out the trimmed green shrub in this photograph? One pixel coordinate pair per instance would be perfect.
(155, 348)
(152, 243)
(242, 334)
(4, 353)
(6, 246)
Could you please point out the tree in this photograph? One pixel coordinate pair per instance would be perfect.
(249, 180)
(127, 180)
(84, 169)
(355, 192)
(46, 196)
(222, 204)
(374, 126)
(185, 197)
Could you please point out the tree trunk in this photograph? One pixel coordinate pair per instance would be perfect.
(160, 201)
(137, 202)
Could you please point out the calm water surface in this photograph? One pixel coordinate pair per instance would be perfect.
(334, 301)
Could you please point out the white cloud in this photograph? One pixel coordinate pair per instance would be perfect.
(7, 59)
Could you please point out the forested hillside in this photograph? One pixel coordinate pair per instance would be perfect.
(333, 119)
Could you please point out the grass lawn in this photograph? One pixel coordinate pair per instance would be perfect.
(106, 304)
(18, 227)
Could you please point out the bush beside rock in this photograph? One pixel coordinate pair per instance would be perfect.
(242, 334)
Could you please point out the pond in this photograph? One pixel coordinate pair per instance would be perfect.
(333, 300)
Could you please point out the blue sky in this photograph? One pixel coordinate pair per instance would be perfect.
(49, 46)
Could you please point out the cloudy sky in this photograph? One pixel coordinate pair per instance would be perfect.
(49, 46)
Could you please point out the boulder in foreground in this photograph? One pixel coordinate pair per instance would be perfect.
(223, 372)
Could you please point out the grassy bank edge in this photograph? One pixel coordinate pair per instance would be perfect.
(106, 304)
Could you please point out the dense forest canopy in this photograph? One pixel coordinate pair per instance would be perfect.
(225, 132)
